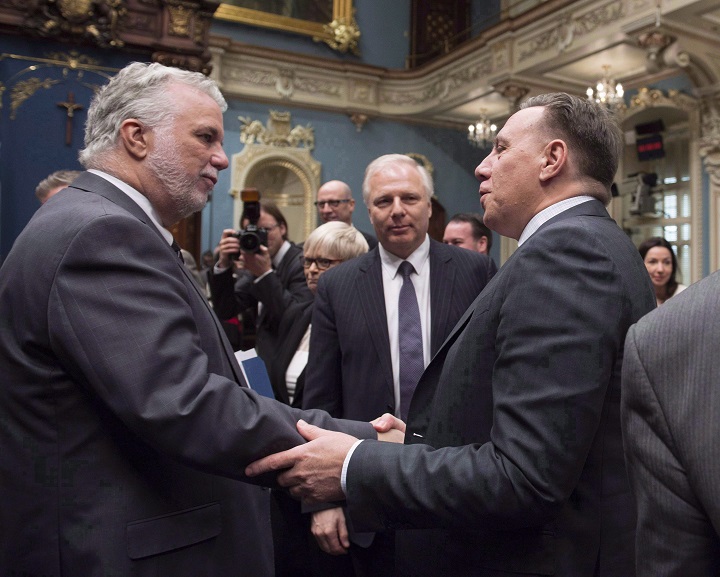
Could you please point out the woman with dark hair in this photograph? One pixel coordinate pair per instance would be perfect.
(661, 264)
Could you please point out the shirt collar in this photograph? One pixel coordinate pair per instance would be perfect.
(418, 258)
(280, 254)
(547, 213)
(140, 199)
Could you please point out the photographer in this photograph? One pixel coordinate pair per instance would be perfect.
(272, 277)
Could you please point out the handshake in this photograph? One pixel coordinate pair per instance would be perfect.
(312, 472)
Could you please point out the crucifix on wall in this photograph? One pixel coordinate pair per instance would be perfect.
(70, 107)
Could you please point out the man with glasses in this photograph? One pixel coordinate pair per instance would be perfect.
(272, 278)
(335, 202)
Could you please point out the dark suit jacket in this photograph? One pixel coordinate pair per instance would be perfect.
(671, 427)
(276, 291)
(349, 372)
(293, 325)
(123, 427)
(521, 467)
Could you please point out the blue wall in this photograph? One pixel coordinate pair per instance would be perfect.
(32, 145)
(344, 153)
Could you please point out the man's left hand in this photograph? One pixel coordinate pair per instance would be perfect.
(313, 469)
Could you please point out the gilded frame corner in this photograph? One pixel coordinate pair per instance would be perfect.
(342, 12)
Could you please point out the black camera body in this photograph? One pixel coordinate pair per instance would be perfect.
(252, 237)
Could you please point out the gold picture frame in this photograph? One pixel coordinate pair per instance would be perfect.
(340, 34)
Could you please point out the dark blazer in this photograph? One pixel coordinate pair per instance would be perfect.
(293, 325)
(671, 427)
(520, 470)
(125, 425)
(349, 372)
(277, 291)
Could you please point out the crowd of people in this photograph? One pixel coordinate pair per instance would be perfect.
(432, 414)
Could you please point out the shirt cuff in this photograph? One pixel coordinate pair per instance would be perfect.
(262, 276)
(343, 475)
(219, 269)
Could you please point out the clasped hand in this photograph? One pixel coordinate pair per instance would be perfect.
(312, 471)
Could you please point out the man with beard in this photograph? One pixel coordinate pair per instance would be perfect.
(125, 423)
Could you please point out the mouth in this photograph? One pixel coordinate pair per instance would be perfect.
(211, 178)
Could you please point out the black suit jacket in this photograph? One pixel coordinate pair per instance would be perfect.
(349, 372)
(276, 291)
(293, 325)
(520, 470)
(125, 425)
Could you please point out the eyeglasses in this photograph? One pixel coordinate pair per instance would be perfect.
(321, 263)
(332, 203)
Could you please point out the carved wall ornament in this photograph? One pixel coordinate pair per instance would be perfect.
(96, 20)
(441, 86)
(359, 120)
(647, 98)
(569, 29)
(22, 88)
(709, 143)
(180, 19)
(344, 35)
(278, 132)
(284, 85)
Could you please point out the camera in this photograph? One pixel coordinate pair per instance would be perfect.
(252, 236)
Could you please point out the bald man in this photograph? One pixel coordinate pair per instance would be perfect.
(335, 202)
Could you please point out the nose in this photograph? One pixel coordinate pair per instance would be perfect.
(219, 159)
(482, 172)
(398, 208)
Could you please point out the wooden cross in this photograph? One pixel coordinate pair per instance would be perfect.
(70, 106)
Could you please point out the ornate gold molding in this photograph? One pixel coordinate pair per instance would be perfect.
(277, 133)
(343, 35)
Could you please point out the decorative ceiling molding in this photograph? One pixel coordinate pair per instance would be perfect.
(551, 47)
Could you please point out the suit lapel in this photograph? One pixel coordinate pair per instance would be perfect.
(93, 183)
(372, 301)
(442, 281)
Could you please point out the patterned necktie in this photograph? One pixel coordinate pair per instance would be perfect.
(410, 337)
(176, 248)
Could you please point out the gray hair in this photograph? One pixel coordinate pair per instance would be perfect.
(336, 240)
(53, 180)
(138, 91)
(590, 130)
(382, 163)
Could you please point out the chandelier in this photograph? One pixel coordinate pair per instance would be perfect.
(607, 91)
(482, 133)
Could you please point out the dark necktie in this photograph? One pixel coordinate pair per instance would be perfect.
(410, 338)
(178, 252)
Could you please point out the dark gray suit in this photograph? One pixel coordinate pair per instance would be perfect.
(349, 372)
(524, 400)
(123, 428)
(671, 427)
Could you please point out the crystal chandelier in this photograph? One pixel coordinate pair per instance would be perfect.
(482, 133)
(607, 91)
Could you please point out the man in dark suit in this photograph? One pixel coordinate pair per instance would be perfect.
(670, 408)
(124, 420)
(272, 278)
(353, 370)
(513, 460)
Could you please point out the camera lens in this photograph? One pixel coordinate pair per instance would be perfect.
(250, 242)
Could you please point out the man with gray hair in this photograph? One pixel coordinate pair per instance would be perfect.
(54, 183)
(378, 320)
(125, 422)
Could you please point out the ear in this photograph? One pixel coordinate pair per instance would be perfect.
(134, 138)
(482, 244)
(555, 156)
